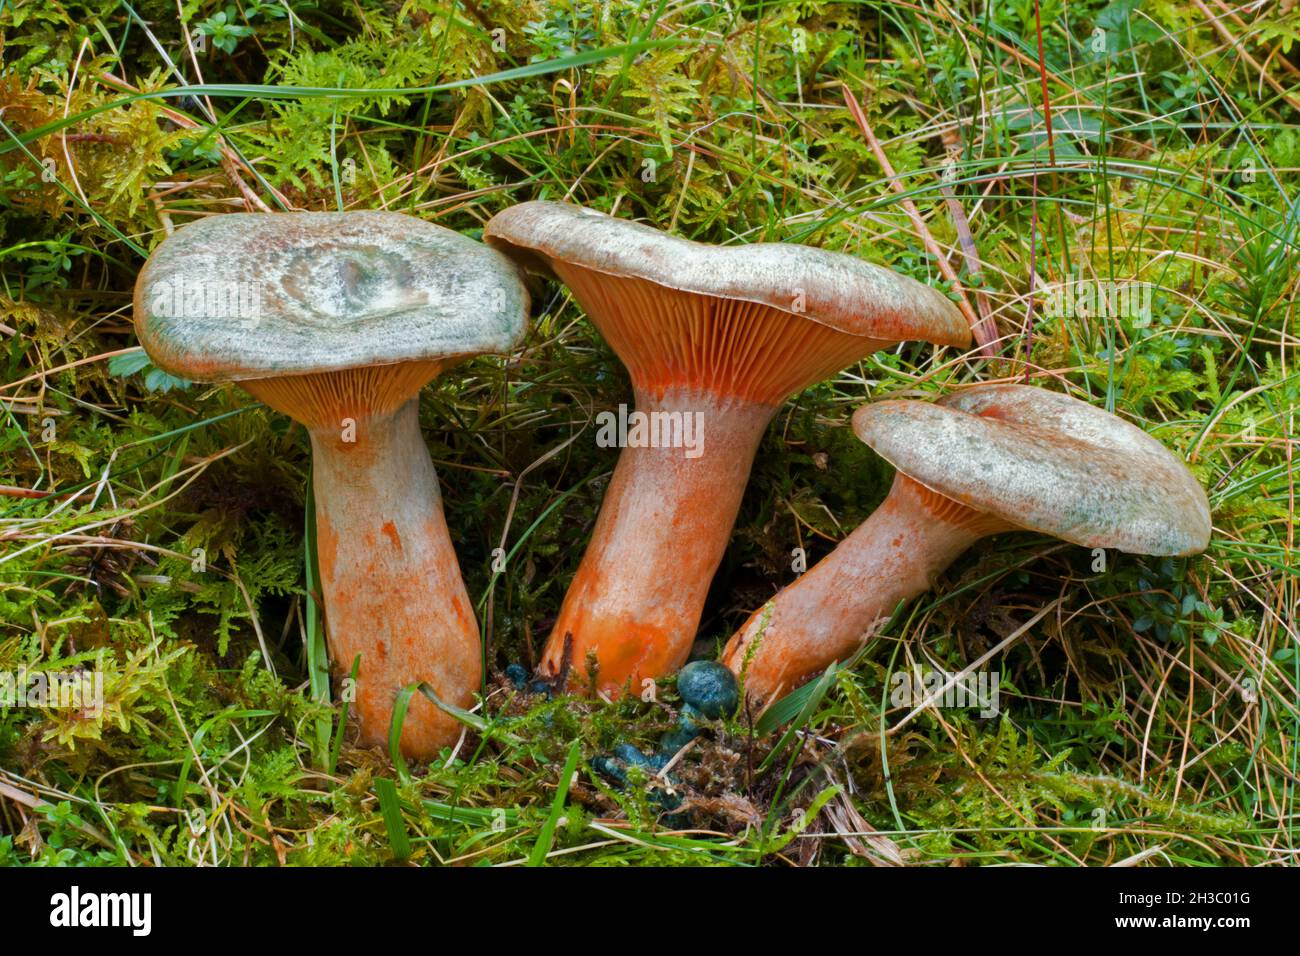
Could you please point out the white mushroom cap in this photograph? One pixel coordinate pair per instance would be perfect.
(256, 295)
(1045, 462)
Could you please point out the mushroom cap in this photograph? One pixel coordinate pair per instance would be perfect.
(1045, 462)
(834, 289)
(261, 295)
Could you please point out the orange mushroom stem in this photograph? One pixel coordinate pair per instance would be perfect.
(636, 599)
(895, 555)
(390, 580)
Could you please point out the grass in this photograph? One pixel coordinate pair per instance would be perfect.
(154, 530)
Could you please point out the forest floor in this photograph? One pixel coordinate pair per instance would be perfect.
(1011, 154)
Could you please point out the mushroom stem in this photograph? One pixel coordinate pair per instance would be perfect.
(636, 599)
(828, 613)
(392, 586)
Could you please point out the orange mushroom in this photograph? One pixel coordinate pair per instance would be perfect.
(338, 320)
(988, 459)
(715, 339)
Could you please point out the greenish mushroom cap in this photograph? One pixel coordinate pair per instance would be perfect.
(261, 295)
(1045, 462)
(833, 289)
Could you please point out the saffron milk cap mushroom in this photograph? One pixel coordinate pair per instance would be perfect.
(714, 338)
(338, 320)
(987, 459)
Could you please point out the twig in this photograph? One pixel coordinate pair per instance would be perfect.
(978, 329)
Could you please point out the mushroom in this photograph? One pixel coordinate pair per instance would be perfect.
(715, 339)
(708, 687)
(988, 459)
(338, 320)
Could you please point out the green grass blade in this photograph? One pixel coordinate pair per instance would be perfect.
(547, 836)
(390, 807)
